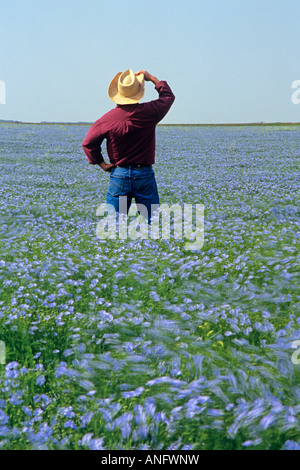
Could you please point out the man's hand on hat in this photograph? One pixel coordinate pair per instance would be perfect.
(148, 77)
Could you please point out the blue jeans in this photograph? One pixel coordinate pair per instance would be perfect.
(139, 183)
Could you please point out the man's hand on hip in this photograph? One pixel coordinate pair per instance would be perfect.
(106, 166)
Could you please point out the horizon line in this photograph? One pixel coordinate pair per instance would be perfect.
(86, 123)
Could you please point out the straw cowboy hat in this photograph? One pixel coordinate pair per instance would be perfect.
(127, 88)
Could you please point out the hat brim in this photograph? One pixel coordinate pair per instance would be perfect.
(115, 96)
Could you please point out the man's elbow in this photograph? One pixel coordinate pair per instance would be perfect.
(86, 150)
(171, 100)
(86, 146)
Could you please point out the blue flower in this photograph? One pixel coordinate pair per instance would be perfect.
(3, 418)
(97, 444)
(40, 380)
(70, 424)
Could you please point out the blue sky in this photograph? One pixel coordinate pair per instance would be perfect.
(227, 61)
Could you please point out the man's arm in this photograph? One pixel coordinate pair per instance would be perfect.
(92, 146)
(159, 108)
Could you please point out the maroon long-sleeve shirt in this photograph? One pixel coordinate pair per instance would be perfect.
(129, 131)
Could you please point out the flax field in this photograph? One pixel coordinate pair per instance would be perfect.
(144, 344)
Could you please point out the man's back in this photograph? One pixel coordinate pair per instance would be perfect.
(129, 130)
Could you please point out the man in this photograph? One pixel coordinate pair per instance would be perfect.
(129, 130)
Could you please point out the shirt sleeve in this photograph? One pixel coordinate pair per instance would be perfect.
(161, 106)
(92, 143)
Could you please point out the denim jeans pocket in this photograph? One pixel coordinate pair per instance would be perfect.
(116, 185)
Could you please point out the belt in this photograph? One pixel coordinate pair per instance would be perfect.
(134, 165)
